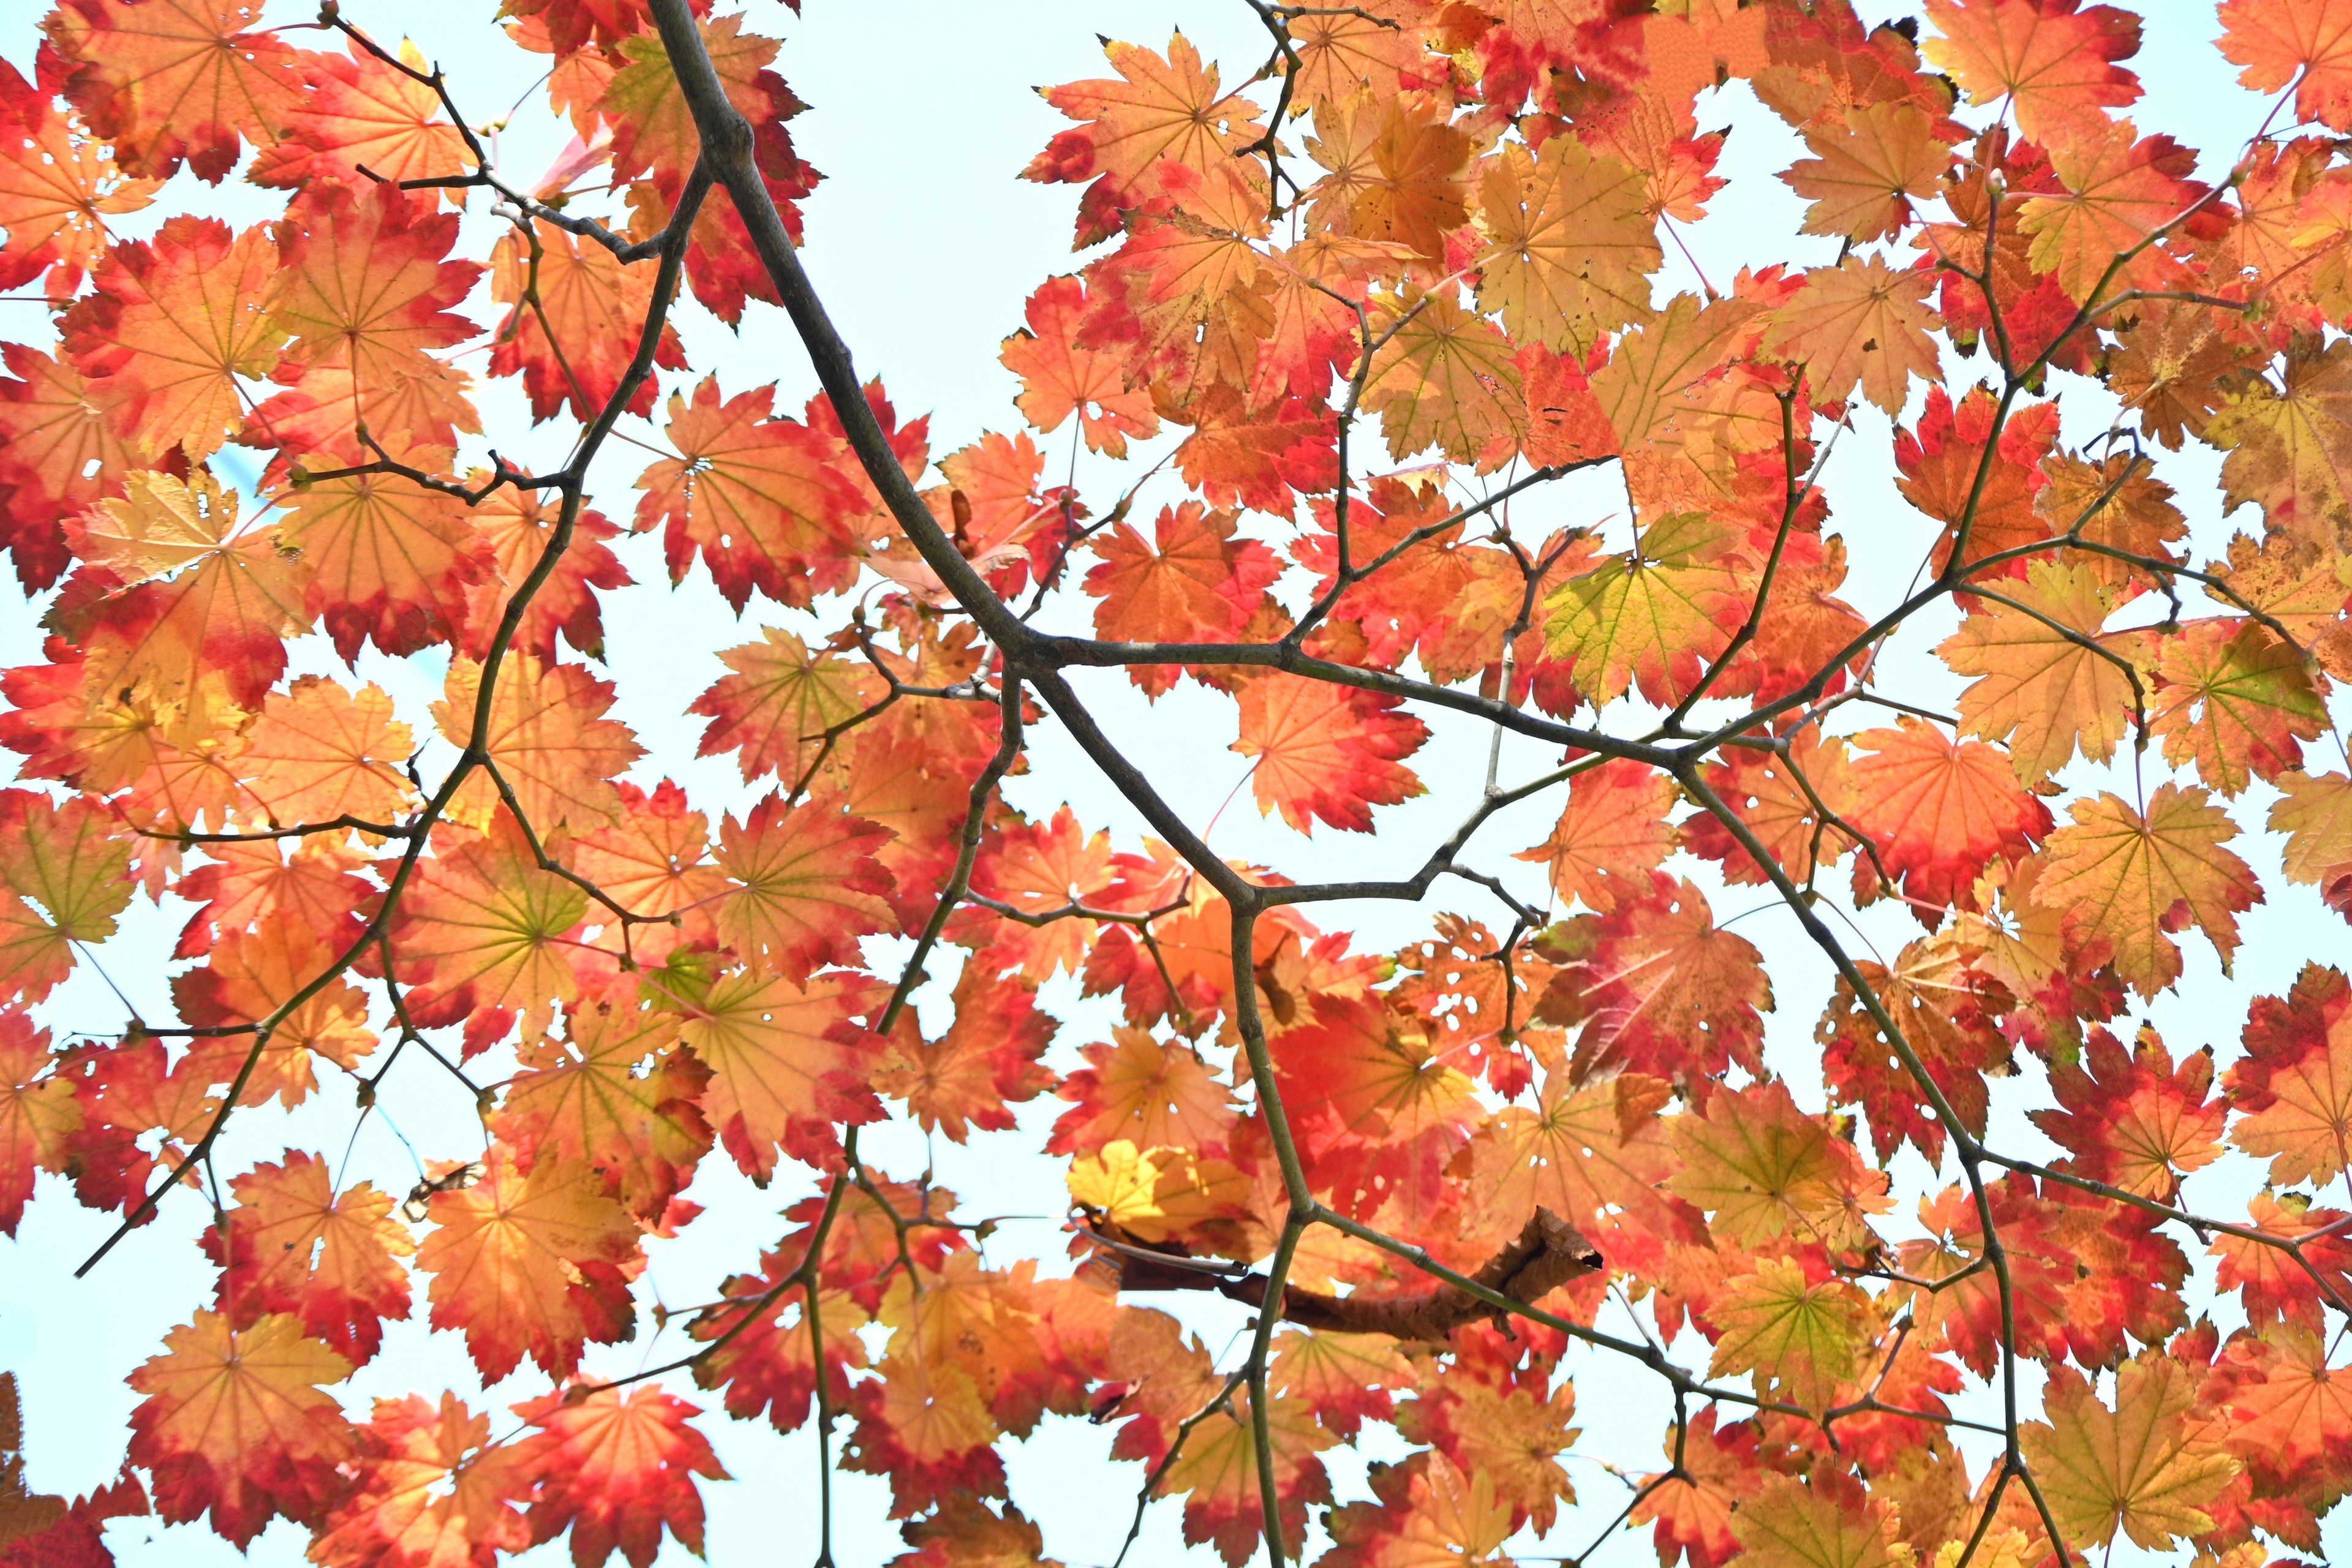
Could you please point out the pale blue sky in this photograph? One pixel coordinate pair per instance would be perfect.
(924, 245)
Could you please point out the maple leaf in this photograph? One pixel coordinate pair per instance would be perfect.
(2293, 1086)
(1191, 582)
(365, 290)
(172, 324)
(1656, 987)
(575, 312)
(2124, 879)
(414, 403)
(1381, 1107)
(1653, 618)
(1785, 801)
(1326, 753)
(1040, 869)
(256, 974)
(1217, 1472)
(2146, 1466)
(1939, 810)
(38, 1113)
(1765, 1169)
(1162, 110)
(1512, 1434)
(320, 751)
(2134, 1119)
(62, 881)
(774, 711)
(1655, 364)
(530, 1264)
(803, 884)
(1059, 378)
(786, 1059)
(769, 1361)
(1585, 1152)
(984, 1063)
(1344, 1378)
(1790, 1524)
(1612, 831)
(1799, 1337)
(2235, 700)
(236, 1425)
(2290, 1405)
(758, 496)
(964, 1533)
(249, 881)
(1571, 244)
(394, 1515)
(519, 527)
(484, 935)
(1946, 474)
(616, 1467)
(293, 1244)
(1398, 173)
(592, 1098)
(58, 452)
(2273, 1284)
(1946, 1010)
(1258, 460)
(1693, 1510)
(2174, 369)
(2301, 43)
(1867, 168)
(542, 732)
(1154, 1095)
(1859, 324)
(2312, 813)
(174, 80)
(2054, 62)
(179, 602)
(1442, 377)
(357, 112)
(2291, 445)
(2118, 191)
(1339, 53)
(57, 190)
(2036, 687)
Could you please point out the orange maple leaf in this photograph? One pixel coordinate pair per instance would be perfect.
(2126, 879)
(172, 325)
(617, 1468)
(1939, 810)
(1611, 833)
(575, 312)
(758, 496)
(2300, 42)
(395, 1512)
(235, 1423)
(168, 81)
(1191, 582)
(57, 190)
(533, 1265)
(1059, 377)
(357, 114)
(787, 1061)
(1326, 753)
(2054, 62)
(294, 1244)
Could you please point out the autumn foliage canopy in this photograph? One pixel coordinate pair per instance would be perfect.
(1408, 426)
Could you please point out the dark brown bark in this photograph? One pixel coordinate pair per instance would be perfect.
(1548, 1253)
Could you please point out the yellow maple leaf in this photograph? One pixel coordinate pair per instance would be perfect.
(1570, 243)
(2147, 1466)
(2125, 880)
